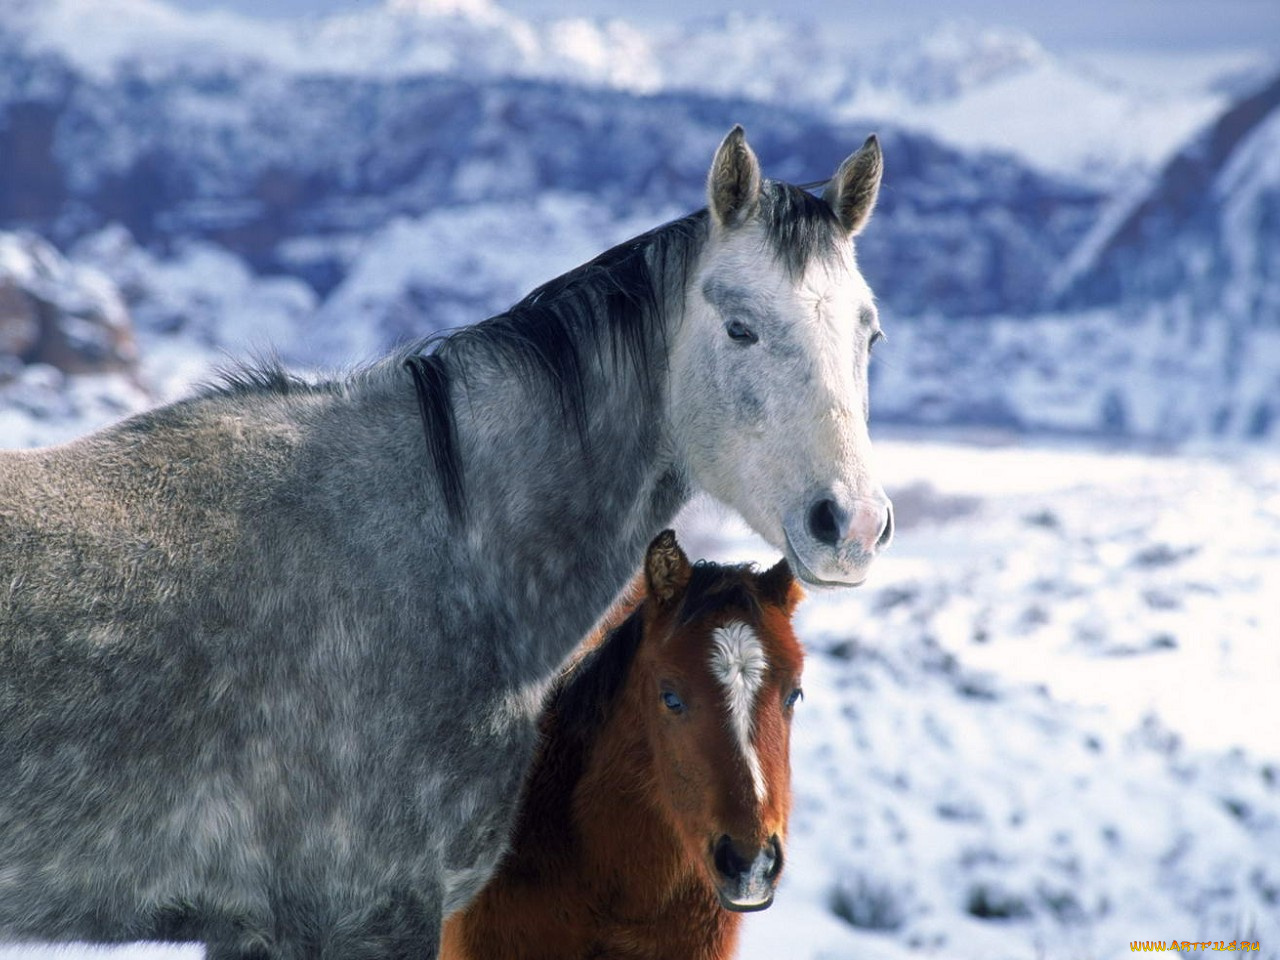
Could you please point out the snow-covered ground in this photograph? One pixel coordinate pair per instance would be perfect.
(1048, 727)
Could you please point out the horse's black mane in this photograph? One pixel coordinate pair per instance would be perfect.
(543, 336)
(258, 376)
(799, 225)
(549, 335)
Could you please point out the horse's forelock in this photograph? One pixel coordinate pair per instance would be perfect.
(800, 226)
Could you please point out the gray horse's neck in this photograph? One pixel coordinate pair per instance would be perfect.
(558, 518)
(557, 514)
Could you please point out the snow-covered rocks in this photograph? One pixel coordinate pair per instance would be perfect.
(59, 314)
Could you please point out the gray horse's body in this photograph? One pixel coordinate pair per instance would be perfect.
(252, 688)
(271, 658)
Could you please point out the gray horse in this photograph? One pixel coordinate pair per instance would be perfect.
(271, 658)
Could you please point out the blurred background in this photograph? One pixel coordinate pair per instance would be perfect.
(1050, 726)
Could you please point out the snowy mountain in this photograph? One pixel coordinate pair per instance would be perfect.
(969, 85)
(1209, 225)
(56, 313)
(290, 170)
(1194, 264)
(1164, 321)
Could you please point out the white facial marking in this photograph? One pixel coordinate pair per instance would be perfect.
(738, 662)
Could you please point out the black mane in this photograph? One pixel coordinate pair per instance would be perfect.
(618, 301)
(549, 336)
(719, 586)
(799, 225)
(258, 376)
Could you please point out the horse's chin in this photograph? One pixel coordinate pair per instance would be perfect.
(854, 578)
(744, 906)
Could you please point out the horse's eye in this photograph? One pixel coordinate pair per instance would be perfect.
(796, 696)
(674, 703)
(739, 332)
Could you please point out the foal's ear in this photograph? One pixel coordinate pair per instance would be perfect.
(777, 586)
(853, 190)
(666, 568)
(733, 184)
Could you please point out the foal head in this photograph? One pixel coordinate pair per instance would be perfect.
(716, 679)
(769, 367)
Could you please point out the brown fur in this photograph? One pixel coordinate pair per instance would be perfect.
(612, 852)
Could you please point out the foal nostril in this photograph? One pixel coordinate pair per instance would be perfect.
(728, 862)
(827, 522)
(887, 534)
(773, 850)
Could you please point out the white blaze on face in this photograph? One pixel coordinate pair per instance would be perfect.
(738, 662)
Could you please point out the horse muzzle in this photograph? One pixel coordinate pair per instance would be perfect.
(834, 540)
(746, 883)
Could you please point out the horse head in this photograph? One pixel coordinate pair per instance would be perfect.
(769, 368)
(717, 680)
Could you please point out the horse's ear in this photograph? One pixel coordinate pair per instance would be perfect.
(853, 190)
(733, 184)
(666, 568)
(777, 586)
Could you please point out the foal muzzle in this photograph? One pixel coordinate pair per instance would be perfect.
(746, 884)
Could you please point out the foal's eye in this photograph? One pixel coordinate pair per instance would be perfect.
(796, 696)
(674, 703)
(739, 332)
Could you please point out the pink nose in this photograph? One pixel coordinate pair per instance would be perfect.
(864, 524)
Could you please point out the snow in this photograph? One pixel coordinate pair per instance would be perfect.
(1166, 370)
(75, 289)
(1055, 699)
(1184, 71)
(407, 274)
(205, 293)
(1246, 189)
(101, 35)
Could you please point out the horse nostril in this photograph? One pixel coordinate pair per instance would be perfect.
(825, 522)
(728, 862)
(774, 851)
(887, 534)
